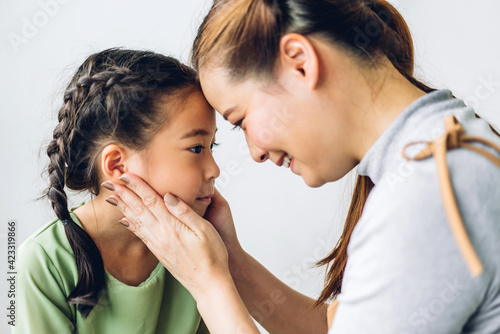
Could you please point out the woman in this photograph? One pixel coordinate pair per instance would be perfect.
(327, 85)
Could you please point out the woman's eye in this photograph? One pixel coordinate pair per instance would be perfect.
(237, 125)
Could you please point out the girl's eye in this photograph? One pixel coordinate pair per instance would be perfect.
(237, 125)
(197, 149)
(213, 145)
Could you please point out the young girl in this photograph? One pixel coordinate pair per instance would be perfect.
(123, 111)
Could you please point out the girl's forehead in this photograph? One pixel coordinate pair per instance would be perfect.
(195, 117)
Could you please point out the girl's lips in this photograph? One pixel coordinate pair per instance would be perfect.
(205, 199)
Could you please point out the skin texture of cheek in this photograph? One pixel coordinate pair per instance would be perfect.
(182, 182)
(164, 177)
(179, 181)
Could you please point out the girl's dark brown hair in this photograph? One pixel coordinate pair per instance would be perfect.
(111, 99)
(243, 37)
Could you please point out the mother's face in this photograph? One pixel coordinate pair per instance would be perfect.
(278, 119)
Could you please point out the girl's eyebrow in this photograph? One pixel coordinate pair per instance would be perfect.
(197, 132)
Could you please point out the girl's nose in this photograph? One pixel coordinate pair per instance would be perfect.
(213, 170)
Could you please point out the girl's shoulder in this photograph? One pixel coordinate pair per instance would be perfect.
(46, 254)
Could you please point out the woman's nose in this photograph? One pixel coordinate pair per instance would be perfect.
(258, 154)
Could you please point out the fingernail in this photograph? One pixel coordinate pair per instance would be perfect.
(123, 222)
(124, 179)
(112, 201)
(108, 186)
(171, 199)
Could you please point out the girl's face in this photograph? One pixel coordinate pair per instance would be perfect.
(179, 158)
(282, 119)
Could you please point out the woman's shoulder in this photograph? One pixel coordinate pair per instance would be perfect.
(407, 203)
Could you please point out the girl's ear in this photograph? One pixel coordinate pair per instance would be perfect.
(113, 161)
(299, 55)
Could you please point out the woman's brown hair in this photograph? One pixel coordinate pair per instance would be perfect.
(243, 37)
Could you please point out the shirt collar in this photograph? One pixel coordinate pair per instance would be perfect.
(387, 149)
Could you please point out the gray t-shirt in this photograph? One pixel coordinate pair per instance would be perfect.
(405, 273)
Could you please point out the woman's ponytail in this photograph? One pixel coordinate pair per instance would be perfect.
(397, 43)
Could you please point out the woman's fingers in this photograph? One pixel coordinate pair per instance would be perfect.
(134, 224)
(183, 212)
(149, 197)
(133, 207)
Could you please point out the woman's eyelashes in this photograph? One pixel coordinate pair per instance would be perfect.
(237, 125)
(197, 149)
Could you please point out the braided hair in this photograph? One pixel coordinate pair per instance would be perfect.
(111, 98)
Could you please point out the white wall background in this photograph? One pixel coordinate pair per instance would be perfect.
(280, 221)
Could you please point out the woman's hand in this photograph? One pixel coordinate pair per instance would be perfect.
(186, 244)
(190, 249)
(219, 215)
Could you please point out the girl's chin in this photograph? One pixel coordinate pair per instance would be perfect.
(200, 207)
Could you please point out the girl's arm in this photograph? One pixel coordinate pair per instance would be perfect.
(41, 305)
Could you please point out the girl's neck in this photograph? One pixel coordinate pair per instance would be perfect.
(100, 220)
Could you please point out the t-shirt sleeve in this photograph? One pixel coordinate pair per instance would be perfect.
(202, 328)
(42, 306)
(405, 273)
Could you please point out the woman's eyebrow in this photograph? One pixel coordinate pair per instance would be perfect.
(196, 132)
(227, 112)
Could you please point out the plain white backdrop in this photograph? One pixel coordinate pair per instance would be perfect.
(280, 221)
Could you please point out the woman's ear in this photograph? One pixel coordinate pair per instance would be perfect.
(298, 54)
(113, 161)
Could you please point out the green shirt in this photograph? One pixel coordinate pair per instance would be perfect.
(47, 274)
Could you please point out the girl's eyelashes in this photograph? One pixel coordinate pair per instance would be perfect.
(197, 149)
(213, 145)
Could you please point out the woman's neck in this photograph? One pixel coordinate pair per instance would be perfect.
(378, 103)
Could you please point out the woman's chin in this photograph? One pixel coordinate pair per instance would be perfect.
(313, 182)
